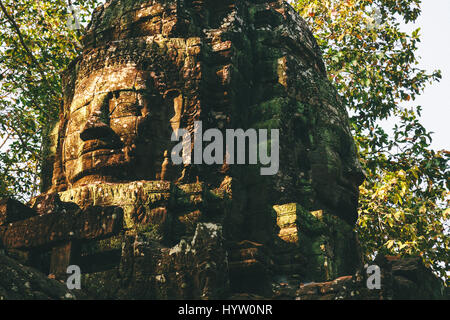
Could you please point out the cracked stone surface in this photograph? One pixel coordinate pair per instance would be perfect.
(192, 231)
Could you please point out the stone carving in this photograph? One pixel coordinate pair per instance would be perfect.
(197, 231)
(149, 68)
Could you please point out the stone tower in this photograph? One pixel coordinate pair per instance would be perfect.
(146, 228)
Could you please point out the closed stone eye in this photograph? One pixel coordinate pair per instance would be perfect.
(125, 103)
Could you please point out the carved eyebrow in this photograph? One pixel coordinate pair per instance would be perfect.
(141, 91)
(138, 91)
(76, 105)
(87, 101)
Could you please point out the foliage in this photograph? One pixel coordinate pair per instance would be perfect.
(37, 43)
(404, 201)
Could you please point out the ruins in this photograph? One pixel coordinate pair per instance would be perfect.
(141, 227)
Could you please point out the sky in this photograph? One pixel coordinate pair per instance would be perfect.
(434, 51)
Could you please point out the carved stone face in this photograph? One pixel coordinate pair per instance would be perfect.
(109, 126)
(336, 171)
(156, 71)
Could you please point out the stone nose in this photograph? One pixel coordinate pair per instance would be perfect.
(96, 127)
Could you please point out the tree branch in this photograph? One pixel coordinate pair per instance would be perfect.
(4, 142)
(22, 42)
(24, 143)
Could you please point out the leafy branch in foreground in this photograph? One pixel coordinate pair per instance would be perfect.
(37, 44)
